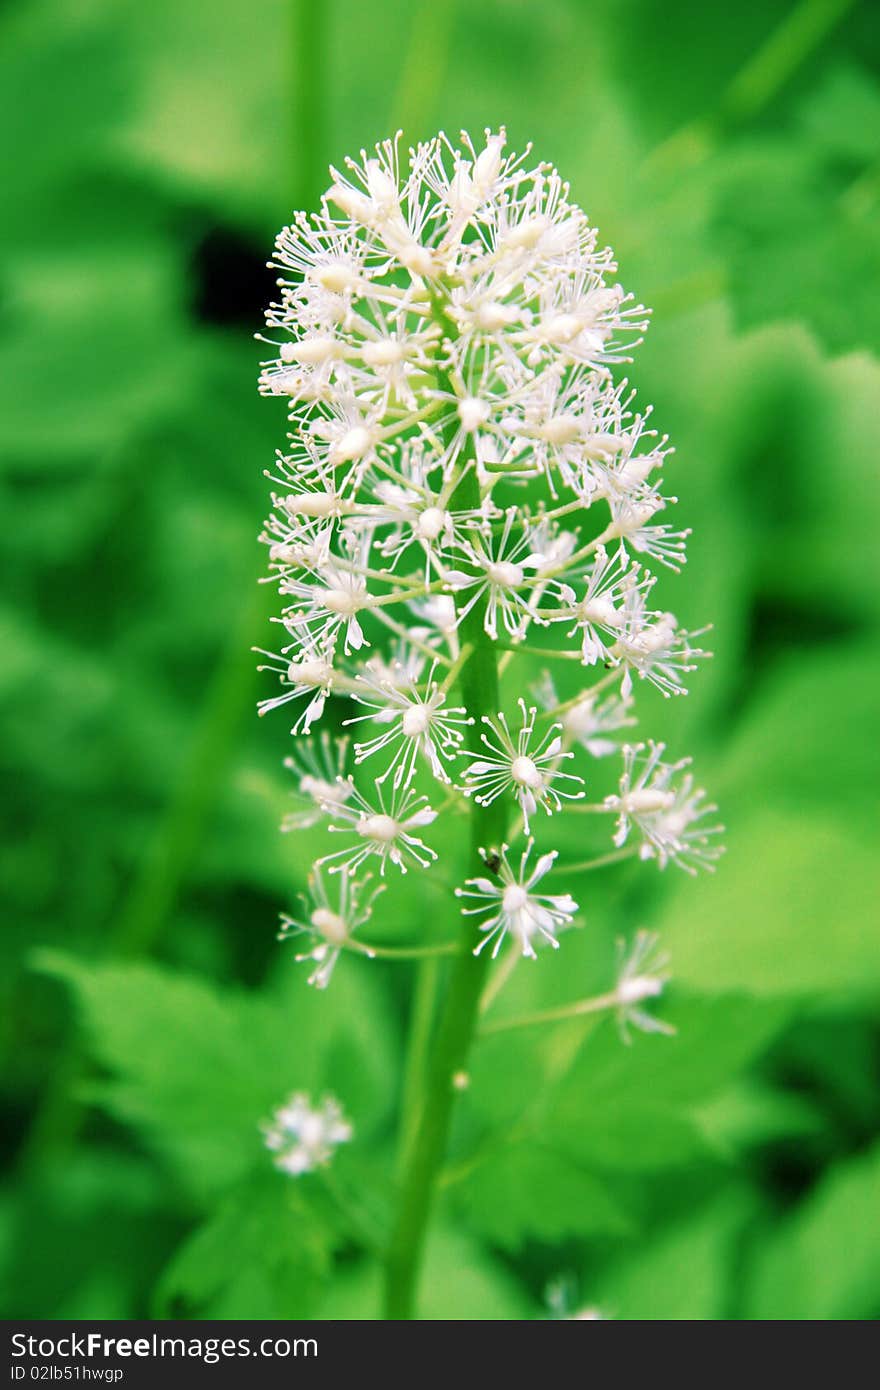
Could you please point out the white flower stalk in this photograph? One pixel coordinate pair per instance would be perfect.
(318, 765)
(642, 974)
(382, 829)
(467, 478)
(329, 920)
(529, 771)
(303, 1136)
(663, 810)
(419, 724)
(514, 906)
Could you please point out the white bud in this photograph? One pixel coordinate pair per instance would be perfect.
(316, 672)
(431, 523)
(473, 413)
(639, 988)
(383, 829)
(354, 444)
(488, 165)
(514, 897)
(336, 276)
(355, 205)
(525, 774)
(312, 351)
(505, 574)
(387, 352)
(415, 721)
(526, 235)
(331, 926)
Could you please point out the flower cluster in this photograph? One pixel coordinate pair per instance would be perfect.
(464, 472)
(303, 1136)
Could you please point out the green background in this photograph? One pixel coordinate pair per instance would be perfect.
(731, 155)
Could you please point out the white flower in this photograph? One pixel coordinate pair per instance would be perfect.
(499, 571)
(464, 465)
(641, 975)
(329, 601)
(514, 906)
(588, 719)
(310, 675)
(632, 517)
(418, 723)
(303, 1136)
(529, 771)
(601, 616)
(663, 809)
(330, 920)
(383, 831)
(448, 316)
(317, 765)
(656, 648)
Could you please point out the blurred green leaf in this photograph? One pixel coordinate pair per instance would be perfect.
(262, 1254)
(528, 1192)
(822, 1262)
(633, 1107)
(196, 1068)
(686, 1274)
(797, 922)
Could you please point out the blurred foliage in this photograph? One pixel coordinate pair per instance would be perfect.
(731, 155)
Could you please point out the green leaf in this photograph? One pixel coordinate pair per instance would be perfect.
(116, 357)
(768, 747)
(685, 1274)
(787, 219)
(527, 1191)
(196, 1069)
(823, 1262)
(842, 116)
(788, 911)
(749, 1114)
(634, 1108)
(262, 1254)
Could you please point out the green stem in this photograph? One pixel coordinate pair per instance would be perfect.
(460, 1011)
(557, 1015)
(449, 1054)
(421, 1022)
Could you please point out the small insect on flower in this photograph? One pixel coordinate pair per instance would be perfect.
(641, 974)
(532, 774)
(329, 921)
(302, 1136)
(514, 906)
(666, 815)
(384, 831)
